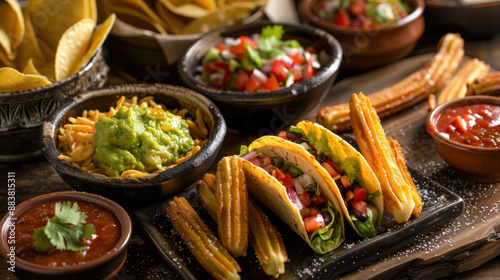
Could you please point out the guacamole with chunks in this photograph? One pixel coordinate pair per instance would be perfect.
(144, 139)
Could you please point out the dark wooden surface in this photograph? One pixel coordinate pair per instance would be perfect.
(467, 248)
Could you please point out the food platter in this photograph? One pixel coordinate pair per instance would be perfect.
(440, 207)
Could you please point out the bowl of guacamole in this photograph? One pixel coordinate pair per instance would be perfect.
(134, 142)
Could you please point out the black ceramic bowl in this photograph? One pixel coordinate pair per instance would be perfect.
(266, 111)
(128, 191)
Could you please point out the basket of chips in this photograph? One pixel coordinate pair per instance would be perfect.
(52, 51)
(150, 35)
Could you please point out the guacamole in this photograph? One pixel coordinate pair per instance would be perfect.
(144, 139)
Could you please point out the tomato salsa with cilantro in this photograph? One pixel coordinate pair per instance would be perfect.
(475, 125)
(361, 13)
(259, 63)
(101, 227)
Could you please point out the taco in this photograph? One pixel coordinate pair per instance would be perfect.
(284, 177)
(353, 181)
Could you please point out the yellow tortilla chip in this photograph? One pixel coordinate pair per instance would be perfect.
(72, 47)
(185, 8)
(175, 22)
(11, 27)
(93, 10)
(13, 80)
(29, 48)
(51, 18)
(4, 60)
(136, 9)
(224, 16)
(30, 67)
(46, 69)
(98, 37)
(208, 5)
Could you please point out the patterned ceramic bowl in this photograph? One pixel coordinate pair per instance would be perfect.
(23, 112)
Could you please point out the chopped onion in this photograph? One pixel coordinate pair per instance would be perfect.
(259, 75)
(269, 168)
(305, 146)
(306, 181)
(292, 51)
(231, 42)
(288, 60)
(249, 155)
(298, 186)
(226, 54)
(315, 64)
(294, 199)
(267, 65)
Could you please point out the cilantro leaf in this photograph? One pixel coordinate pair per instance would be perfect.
(65, 230)
(292, 168)
(244, 150)
(276, 31)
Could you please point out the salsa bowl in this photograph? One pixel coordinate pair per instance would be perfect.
(271, 110)
(375, 46)
(100, 264)
(478, 163)
(140, 189)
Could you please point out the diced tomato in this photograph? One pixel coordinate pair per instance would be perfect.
(360, 206)
(304, 198)
(298, 58)
(313, 223)
(280, 70)
(308, 71)
(313, 211)
(265, 161)
(215, 66)
(319, 199)
(282, 134)
(349, 195)
(359, 195)
(287, 181)
(271, 83)
(345, 181)
(297, 76)
(278, 174)
(460, 124)
(329, 168)
(255, 161)
(334, 165)
(240, 80)
(240, 49)
(311, 50)
(357, 7)
(341, 18)
(311, 146)
(222, 47)
(253, 84)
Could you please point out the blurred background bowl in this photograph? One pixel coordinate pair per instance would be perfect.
(266, 112)
(472, 21)
(476, 163)
(373, 47)
(23, 112)
(133, 190)
(106, 265)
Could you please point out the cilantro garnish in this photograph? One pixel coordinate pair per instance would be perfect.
(65, 231)
(270, 42)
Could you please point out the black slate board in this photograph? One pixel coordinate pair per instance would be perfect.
(440, 207)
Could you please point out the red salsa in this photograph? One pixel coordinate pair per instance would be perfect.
(107, 233)
(476, 125)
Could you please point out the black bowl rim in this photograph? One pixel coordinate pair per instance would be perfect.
(75, 76)
(414, 15)
(213, 144)
(320, 77)
(462, 7)
(460, 102)
(118, 211)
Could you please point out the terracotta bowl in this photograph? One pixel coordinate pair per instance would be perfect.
(366, 49)
(265, 111)
(476, 163)
(102, 267)
(134, 190)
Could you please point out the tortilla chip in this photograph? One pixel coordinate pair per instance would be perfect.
(131, 10)
(98, 37)
(30, 68)
(208, 5)
(185, 8)
(51, 18)
(343, 151)
(174, 22)
(11, 27)
(12, 80)
(270, 192)
(93, 10)
(224, 16)
(4, 60)
(72, 47)
(29, 48)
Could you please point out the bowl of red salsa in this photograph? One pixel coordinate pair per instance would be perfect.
(372, 33)
(262, 75)
(65, 235)
(466, 134)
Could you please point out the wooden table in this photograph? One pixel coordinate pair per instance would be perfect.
(468, 247)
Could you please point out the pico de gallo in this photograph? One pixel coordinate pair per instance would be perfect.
(261, 62)
(356, 199)
(361, 13)
(320, 219)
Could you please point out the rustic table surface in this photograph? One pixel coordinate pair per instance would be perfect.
(466, 248)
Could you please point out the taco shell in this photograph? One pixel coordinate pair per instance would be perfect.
(271, 193)
(345, 152)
